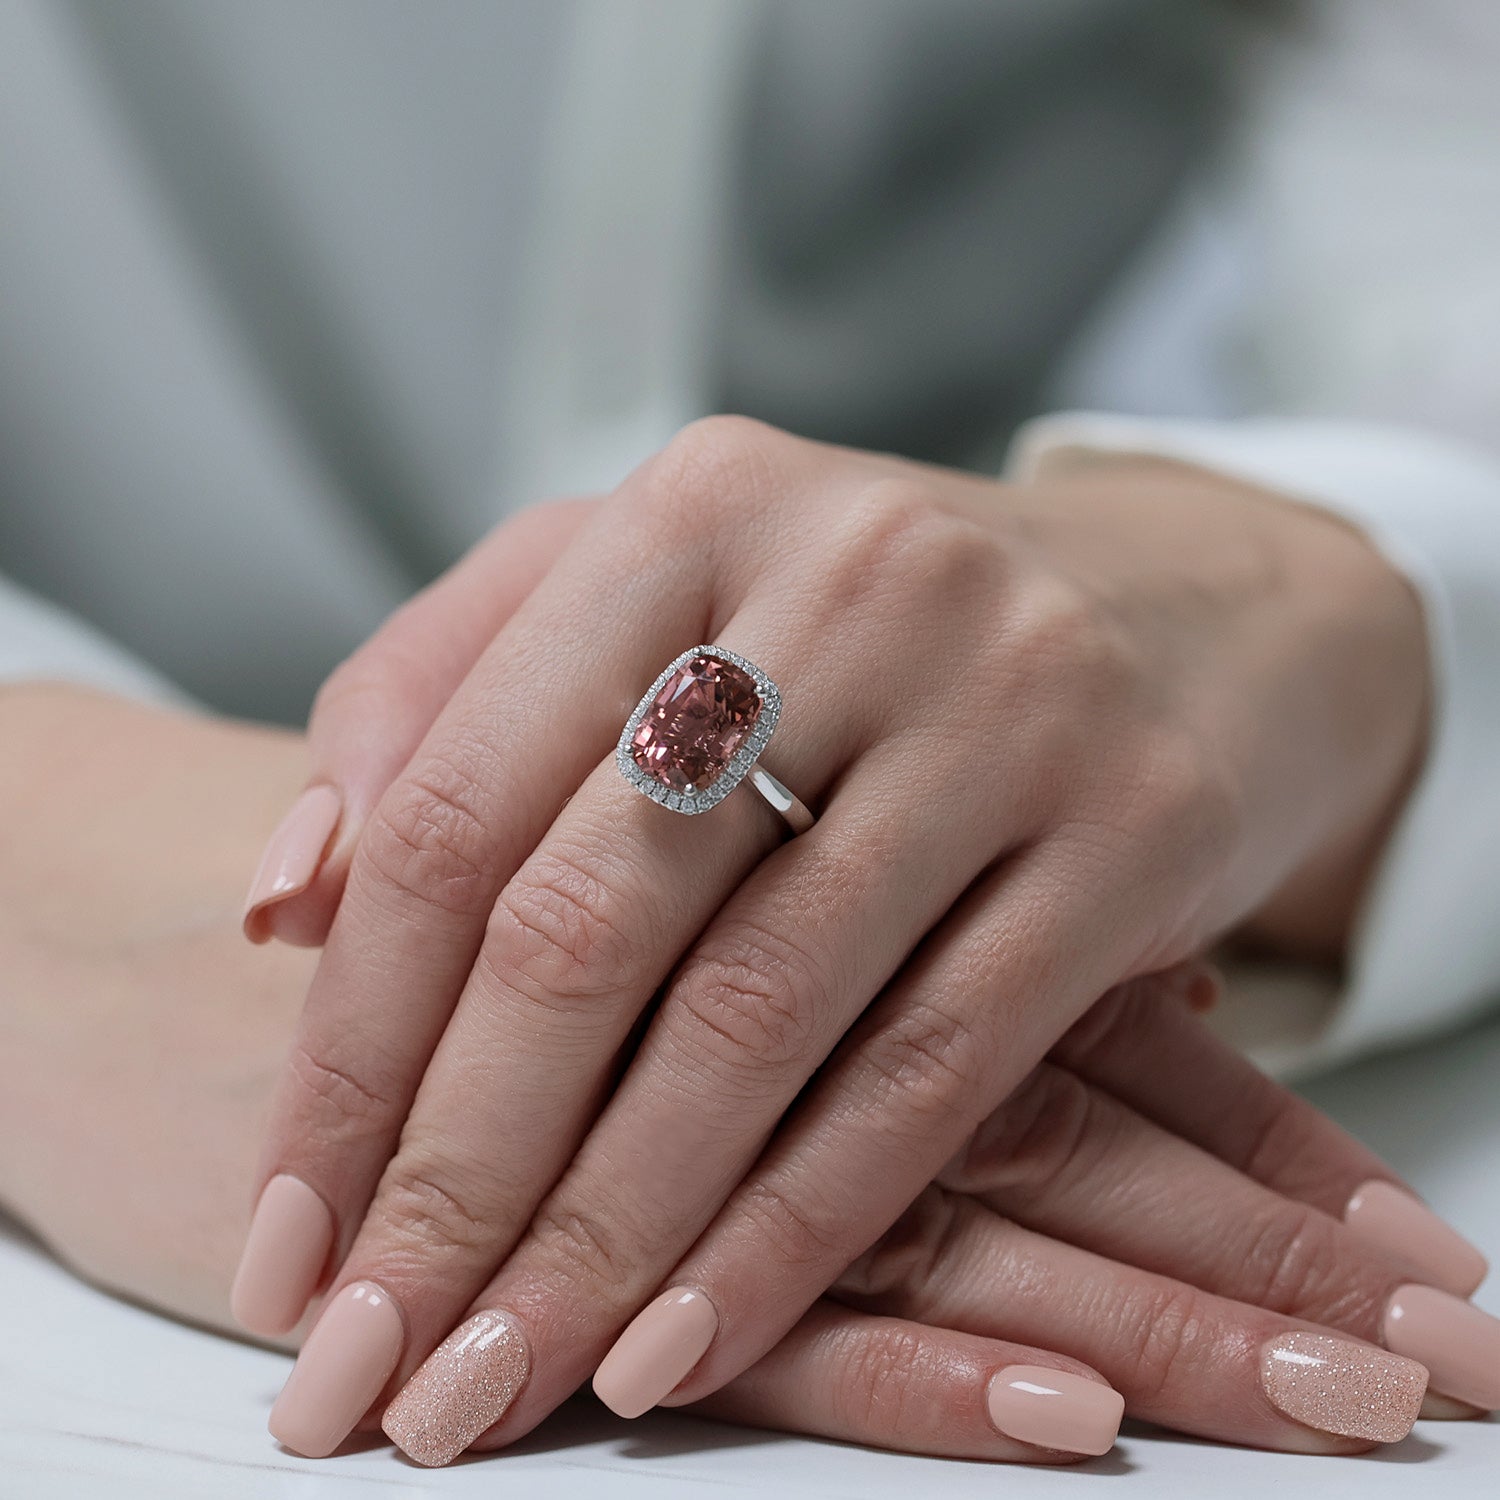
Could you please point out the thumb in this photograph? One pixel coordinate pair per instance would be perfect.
(373, 711)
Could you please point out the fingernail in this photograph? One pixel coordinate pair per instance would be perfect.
(283, 1260)
(1392, 1220)
(292, 856)
(1205, 990)
(460, 1390)
(665, 1340)
(1440, 1408)
(1459, 1344)
(343, 1367)
(1055, 1409)
(1341, 1387)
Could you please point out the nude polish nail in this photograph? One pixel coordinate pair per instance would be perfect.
(649, 1360)
(1440, 1408)
(1459, 1344)
(460, 1390)
(292, 856)
(1055, 1409)
(285, 1252)
(343, 1367)
(1337, 1386)
(1392, 1220)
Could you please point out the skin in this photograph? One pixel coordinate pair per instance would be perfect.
(119, 918)
(1095, 725)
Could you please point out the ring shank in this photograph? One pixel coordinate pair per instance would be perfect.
(790, 806)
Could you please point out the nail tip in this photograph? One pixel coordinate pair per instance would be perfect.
(303, 1444)
(1399, 1223)
(410, 1440)
(293, 856)
(617, 1403)
(344, 1365)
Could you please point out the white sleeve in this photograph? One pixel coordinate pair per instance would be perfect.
(39, 640)
(1426, 952)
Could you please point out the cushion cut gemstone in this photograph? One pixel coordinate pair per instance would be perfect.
(695, 724)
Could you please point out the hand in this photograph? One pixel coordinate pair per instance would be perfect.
(1121, 758)
(117, 906)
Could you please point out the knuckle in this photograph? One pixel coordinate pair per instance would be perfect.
(1160, 1329)
(928, 1066)
(752, 999)
(1279, 1135)
(426, 1202)
(429, 839)
(1060, 635)
(885, 1370)
(797, 1238)
(580, 1245)
(356, 684)
(559, 929)
(343, 1097)
(717, 459)
(1039, 1138)
(908, 1257)
(898, 536)
(1290, 1264)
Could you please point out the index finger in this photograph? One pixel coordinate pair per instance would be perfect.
(515, 742)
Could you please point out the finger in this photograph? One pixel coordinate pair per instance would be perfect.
(373, 711)
(1217, 1099)
(893, 1104)
(891, 1383)
(1072, 1162)
(508, 752)
(512, 745)
(1180, 1356)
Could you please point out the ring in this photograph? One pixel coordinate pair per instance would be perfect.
(699, 732)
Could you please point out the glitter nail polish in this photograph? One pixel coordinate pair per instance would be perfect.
(460, 1390)
(1341, 1387)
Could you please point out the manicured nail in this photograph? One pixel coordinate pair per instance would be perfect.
(343, 1367)
(1459, 1344)
(1392, 1220)
(460, 1390)
(1338, 1386)
(1206, 990)
(649, 1360)
(292, 856)
(1440, 1408)
(1055, 1409)
(285, 1252)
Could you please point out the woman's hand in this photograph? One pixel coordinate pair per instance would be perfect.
(1058, 737)
(1094, 1228)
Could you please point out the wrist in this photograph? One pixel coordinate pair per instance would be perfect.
(1368, 686)
(1303, 648)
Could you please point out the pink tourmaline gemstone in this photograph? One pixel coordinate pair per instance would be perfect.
(695, 724)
